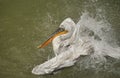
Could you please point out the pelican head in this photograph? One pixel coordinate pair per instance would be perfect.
(65, 31)
(68, 24)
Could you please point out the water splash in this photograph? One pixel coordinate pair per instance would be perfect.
(101, 35)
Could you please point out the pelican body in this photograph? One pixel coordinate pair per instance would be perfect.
(67, 46)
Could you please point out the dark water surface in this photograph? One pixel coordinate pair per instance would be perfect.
(24, 24)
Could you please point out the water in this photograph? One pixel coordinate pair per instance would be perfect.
(26, 24)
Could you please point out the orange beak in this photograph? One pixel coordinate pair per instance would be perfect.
(58, 32)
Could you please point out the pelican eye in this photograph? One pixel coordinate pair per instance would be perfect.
(61, 29)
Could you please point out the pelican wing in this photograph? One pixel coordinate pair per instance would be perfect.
(65, 59)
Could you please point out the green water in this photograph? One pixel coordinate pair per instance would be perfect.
(24, 24)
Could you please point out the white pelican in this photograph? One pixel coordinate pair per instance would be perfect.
(67, 47)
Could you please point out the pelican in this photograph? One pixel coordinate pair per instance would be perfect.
(67, 46)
